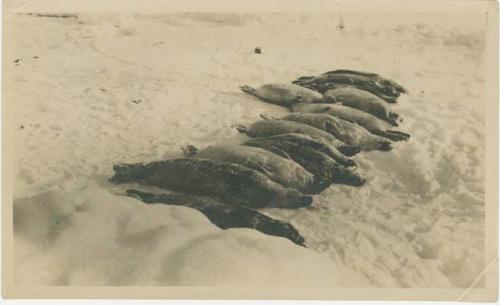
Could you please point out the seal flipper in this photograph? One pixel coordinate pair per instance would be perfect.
(385, 146)
(241, 128)
(189, 150)
(259, 167)
(280, 152)
(140, 195)
(319, 185)
(267, 117)
(225, 216)
(344, 176)
(395, 135)
(249, 90)
(391, 121)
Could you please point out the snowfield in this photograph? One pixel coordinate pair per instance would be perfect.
(100, 89)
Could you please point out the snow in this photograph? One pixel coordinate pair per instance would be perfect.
(419, 221)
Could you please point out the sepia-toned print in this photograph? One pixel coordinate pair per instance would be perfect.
(339, 148)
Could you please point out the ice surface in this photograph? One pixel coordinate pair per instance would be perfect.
(127, 88)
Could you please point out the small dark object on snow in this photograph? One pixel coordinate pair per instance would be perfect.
(258, 50)
(17, 60)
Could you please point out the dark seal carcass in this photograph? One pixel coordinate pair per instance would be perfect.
(231, 183)
(322, 166)
(364, 101)
(283, 94)
(281, 170)
(348, 132)
(366, 120)
(271, 127)
(386, 89)
(224, 216)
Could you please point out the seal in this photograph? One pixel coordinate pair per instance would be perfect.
(348, 132)
(364, 101)
(366, 120)
(318, 163)
(228, 182)
(281, 170)
(271, 126)
(385, 89)
(224, 216)
(283, 94)
(376, 77)
(316, 144)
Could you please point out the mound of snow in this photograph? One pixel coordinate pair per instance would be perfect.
(93, 237)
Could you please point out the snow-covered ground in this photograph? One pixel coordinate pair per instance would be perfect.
(102, 89)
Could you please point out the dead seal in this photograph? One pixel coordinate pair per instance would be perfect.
(283, 94)
(224, 216)
(271, 126)
(376, 77)
(316, 144)
(228, 182)
(281, 170)
(385, 89)
(346, 131)
(366, 120)
(318, 163)
(362, 100)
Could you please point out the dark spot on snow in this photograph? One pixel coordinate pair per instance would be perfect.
(35, 57)
(137, 101)
(17, 60)
(22, 127)
(258, 50)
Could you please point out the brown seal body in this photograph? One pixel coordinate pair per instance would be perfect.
(283, 94)
(362, 100)
(385, 89)
(271, 127)
(323, 167)
(281, 170)
(231, 183)
(366, 120)
(222, 215)
(348, 132)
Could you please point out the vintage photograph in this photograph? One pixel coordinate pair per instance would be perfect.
(323, 146)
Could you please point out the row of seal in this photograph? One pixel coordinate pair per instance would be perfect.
(285, 161)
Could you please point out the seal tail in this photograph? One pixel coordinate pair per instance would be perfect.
(396, 135)
(319, 185)
(385, 146)
(396, 117)
(267, 117)
(189, 150)
(392, 121)
(249, 90)
(345, 161)
(347, 177)
(241, 128)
